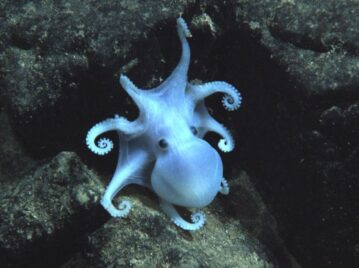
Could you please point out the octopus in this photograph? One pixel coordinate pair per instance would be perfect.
(164, 149)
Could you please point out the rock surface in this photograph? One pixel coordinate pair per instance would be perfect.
(146, 238)
(301, 124)
(46, 214)
(52, 214)
(57, 60)
(296, 62)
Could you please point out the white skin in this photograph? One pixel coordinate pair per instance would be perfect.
(164, 149)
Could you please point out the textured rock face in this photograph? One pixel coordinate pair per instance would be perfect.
(303, 133)
(147, 239)
(54, 53)
(53, 212)
(45, 210)
(296, 63)
(59, 62)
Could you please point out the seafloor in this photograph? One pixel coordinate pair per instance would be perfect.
(294, 175)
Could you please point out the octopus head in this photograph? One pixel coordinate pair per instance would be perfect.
(187, 174)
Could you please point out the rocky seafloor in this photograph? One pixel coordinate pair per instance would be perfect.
(293, 176)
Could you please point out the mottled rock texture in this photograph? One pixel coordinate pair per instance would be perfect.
(146, 238)
(296, 62)
(46, 214)
(301, 73)
(59, 64)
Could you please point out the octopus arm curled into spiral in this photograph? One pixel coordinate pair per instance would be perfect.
(231, 101)
(119, 124)
(205, 123)
(224, 187)
(226, 144)
(198, 218)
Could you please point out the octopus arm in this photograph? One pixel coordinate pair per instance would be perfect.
(224, 189)
(137, 94)
(198, 218)
(226, 144)
(121, 178)
(231, 100)
(178, 78)
(206, 123)
(104, 145)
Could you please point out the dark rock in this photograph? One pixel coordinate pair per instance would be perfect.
(295, 62)
(45, 215)
(299, 131)
(246, 204)
(146, 238)
(14, 160)
(57, 61)
(59, 58)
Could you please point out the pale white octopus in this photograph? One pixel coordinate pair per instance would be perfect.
(163, 149)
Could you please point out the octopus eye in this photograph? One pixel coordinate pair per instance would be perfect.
(163, 143)
(194, 130)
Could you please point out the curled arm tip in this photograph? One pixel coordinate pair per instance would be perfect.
(198, 218)
(104, 145)
(123, 208)
(224, 188)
